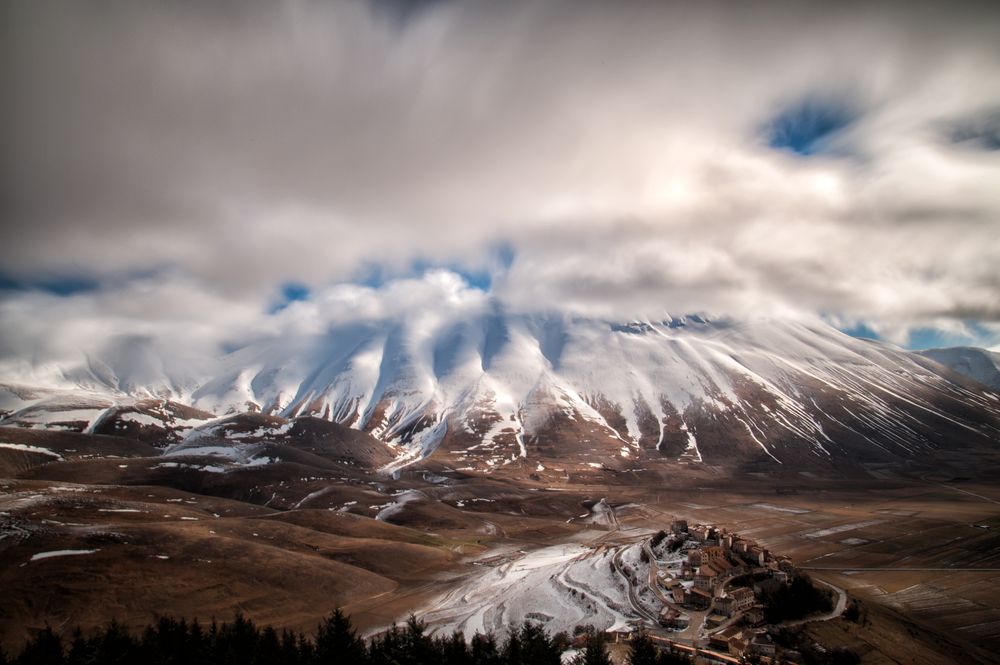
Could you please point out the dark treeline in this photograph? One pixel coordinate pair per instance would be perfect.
(242, 642)
(795, 600)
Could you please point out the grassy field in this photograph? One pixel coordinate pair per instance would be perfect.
(287, 544)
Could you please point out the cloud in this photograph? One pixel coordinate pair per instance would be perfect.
(624, 152)
(171, 329)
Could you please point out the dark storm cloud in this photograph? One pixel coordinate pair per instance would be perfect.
(635, 156)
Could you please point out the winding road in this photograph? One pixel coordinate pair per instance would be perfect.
(636, 605)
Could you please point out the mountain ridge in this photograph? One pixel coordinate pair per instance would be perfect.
(982, 365)
(495, 389)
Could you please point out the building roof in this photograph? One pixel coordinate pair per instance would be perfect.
(740, 592)
(710, 570)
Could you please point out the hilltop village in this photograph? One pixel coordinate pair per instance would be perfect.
(716, 593)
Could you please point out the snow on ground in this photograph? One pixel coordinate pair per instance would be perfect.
(602, 514)
(569, 656)
(44, 418)
(234, 457)
(842, 528)
(234, 453)
(558, 587)
(402, 499)
(691, 451)
(781, 509)
(141, 419)
(55, 553)
(261, 432)
(231, 464)
(30, 449)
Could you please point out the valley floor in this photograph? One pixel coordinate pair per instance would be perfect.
(87, 541)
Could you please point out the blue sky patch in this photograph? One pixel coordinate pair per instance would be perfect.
(290, 292)
(402, 12)
(807, 127)
(59, 286)
(931, 338)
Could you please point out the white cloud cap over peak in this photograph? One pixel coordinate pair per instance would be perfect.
(627, 155)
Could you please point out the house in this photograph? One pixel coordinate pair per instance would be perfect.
(743, 597)
(669, 583)
(699, 599)
(695, 557)
(677, 593)
(735, 601)
(725, 567)
(738, 646)
(671, 618)
(754, 616)
(720, 641)
(785, 565)
(712, 553)
(701, 532)
(713, 620)
(620, 635)
(720, 567)
(706, 578)
(679, 526)
(725, 606)
(762, 644)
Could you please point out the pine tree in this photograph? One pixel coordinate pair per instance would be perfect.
(307, 653)
(80, 652)
(198, 645)
(289, 649)
(641, 650)
(594, 653)
(484, 650)
(337, 641)
(385, 650)
(175, 642)
(512, 653)
(45, 649)
(454, 650)
(268, 648)
(417, 647)
(537, 648)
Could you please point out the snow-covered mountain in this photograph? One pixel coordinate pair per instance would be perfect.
(498, 389)
(978, 364)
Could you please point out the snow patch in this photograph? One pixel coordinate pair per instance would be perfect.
(31, 449)
(57, 553)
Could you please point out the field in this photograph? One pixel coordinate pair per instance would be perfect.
(87, 539)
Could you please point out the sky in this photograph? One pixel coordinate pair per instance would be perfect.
(201, 173)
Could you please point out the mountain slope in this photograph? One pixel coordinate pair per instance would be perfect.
(978, 364)
(578, 394)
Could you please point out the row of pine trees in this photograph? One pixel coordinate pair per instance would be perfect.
(242, 642)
